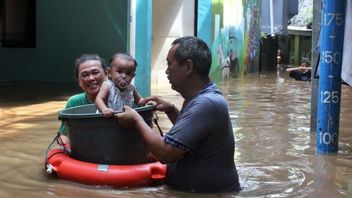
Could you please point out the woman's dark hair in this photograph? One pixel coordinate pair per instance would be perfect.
(86, 57)
(195, 49)
(123, 56)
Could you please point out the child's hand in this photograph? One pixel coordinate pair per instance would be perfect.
(158, 103)
(107, 112)
(152, 103)
(141, 102)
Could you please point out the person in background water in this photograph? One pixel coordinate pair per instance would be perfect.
(302, 73)
(199, 148)
(90, 74)
(117, 90)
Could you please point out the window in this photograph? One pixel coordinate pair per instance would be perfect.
(17, 23)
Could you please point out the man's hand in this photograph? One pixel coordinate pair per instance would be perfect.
(129, 118)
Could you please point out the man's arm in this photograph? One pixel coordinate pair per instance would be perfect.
(164, 152)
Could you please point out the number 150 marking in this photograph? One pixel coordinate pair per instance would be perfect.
(331, 57)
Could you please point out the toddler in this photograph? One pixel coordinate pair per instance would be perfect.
(117, 90)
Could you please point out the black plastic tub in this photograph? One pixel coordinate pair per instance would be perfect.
(96, 139)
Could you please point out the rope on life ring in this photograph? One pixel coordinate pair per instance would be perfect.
(66, 149)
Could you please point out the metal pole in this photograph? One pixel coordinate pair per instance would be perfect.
(271, 17)
(333, 22)
(132, 23)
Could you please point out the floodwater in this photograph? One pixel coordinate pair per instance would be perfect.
(275, 150)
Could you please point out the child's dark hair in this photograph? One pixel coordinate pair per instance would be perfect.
(123, 56)
(86, 57)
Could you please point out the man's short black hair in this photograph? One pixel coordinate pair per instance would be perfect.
(196, 50)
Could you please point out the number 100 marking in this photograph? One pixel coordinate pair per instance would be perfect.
(327, 138)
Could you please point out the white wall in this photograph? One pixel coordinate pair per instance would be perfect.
(171, 19)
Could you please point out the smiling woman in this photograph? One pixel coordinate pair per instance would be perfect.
(90, 73)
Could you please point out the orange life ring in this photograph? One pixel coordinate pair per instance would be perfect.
(65, 167)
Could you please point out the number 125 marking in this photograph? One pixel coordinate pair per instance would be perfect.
(329, 97)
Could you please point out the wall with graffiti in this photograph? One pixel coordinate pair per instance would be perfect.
(235, 38)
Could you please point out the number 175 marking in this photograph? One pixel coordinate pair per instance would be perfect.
(329, 18)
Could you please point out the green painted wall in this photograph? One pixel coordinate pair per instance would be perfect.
(65, 29)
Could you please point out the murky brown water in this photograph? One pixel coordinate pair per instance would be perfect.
(275, 150)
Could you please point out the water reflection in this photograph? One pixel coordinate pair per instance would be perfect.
(275, 150)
